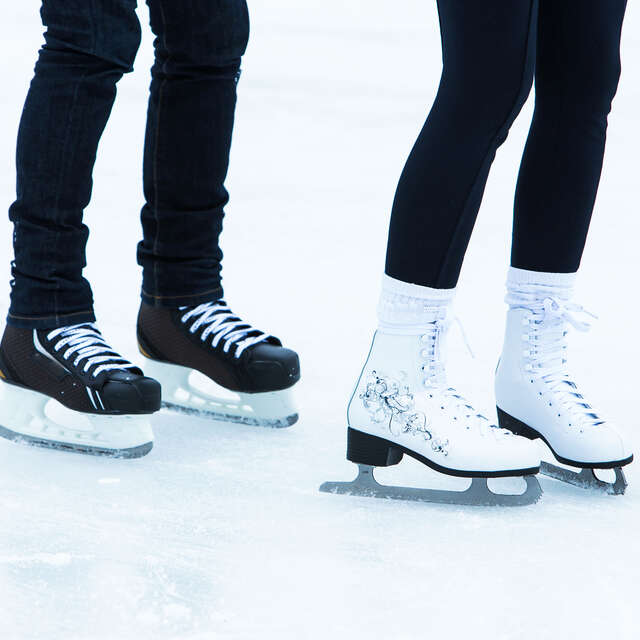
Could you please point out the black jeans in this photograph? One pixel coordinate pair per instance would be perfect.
(88, 46)
(490, 51)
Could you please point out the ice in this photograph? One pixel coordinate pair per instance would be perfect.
(221, 533)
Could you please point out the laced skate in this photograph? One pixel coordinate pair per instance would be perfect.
(538, 398)
(67, 389)
(403, 405)
(212, 364)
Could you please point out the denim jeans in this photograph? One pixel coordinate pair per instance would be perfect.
(88, 47)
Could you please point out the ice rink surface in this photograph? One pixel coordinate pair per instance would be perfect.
(221, 533)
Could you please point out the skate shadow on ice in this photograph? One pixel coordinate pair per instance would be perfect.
(193, 439)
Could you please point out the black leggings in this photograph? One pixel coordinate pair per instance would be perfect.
(490, 51)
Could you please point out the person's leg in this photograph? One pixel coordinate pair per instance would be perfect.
(198, 48)
(88, 46)
(578, 67)
(403, 402)
(488, 58)
(577, 74)
(183, 324)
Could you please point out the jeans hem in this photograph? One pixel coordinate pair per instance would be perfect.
(185, 300)
(54, 321)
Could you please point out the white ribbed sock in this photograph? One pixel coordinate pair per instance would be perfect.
(406, 309)
(535, 286)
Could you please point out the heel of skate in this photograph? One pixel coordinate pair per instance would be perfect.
(505, 421)
(363, 448)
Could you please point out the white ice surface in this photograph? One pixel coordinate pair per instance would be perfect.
(220, 532)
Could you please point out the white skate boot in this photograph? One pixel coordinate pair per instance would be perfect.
(535, 393)
(403, 405)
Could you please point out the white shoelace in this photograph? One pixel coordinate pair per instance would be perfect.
(220, 322)
(86, 342)
(460, 409)
(546, 353)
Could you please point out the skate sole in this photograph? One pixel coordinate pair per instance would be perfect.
(268, 423)
(585, 478)
(130, 453)
(477, 495)
(365, 448)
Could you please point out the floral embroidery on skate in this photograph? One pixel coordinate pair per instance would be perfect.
(389, 400)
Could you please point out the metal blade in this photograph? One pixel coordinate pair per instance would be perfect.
(478, 493)
(75, 447)
(227, 416)
(586, 478)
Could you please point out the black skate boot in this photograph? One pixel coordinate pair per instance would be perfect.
(240, 374)
(67, 389)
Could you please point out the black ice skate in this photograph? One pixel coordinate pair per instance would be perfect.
(67, 389)
(213, 364)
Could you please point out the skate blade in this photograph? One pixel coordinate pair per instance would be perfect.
(478, 493)
(586, 478)
(269, 423)
(73, 447)
(33, 418)
(191, 393)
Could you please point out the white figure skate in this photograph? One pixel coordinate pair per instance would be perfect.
(537, 397)
(403, 405)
